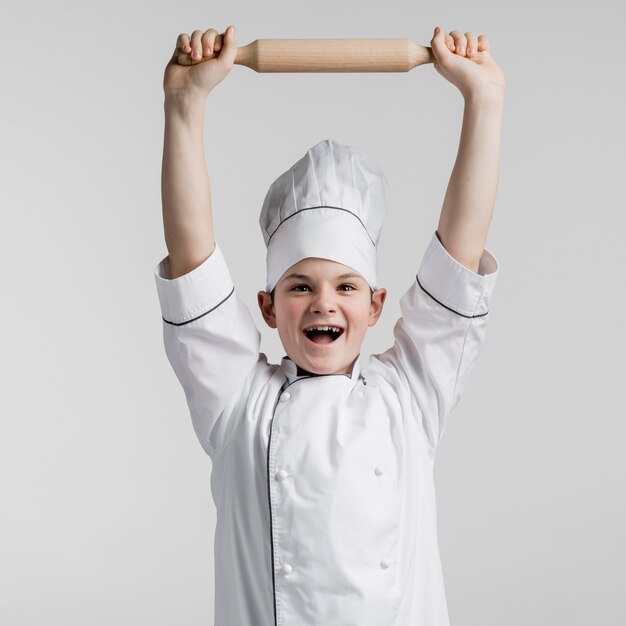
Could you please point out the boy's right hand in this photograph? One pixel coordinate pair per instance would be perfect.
(202, 77)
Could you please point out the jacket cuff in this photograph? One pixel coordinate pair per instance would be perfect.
(455, 286)
(195, 293)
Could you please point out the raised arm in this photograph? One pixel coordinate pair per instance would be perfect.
(445, 311)
(469, 202)
(185, 189)
(209, 335)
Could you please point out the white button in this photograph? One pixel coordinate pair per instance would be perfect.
(282, 474)
(360, 394)
(287, 568)
(385, 563)
(378, 471)
(285, 396)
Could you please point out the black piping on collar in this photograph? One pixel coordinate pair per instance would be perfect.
(312, 375)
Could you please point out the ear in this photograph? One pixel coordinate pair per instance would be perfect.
(267, 308)
(376, 308)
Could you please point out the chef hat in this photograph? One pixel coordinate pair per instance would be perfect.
(330, 204)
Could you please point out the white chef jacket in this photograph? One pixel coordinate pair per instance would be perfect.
(323, 484)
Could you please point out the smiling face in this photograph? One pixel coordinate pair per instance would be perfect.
(319, 292)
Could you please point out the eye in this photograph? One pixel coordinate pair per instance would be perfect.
(298, 288)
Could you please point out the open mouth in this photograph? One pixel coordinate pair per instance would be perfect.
(323, 335)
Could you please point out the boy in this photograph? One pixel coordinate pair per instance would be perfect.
(322, 466)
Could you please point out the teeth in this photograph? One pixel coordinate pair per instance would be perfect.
(333, 328)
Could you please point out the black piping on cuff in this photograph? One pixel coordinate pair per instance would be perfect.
(454, 286)
(201, 314)
(196, 293)
(447, 307)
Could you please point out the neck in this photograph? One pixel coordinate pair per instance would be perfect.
(302, 372)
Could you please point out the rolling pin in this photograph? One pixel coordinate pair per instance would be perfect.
(326, 55)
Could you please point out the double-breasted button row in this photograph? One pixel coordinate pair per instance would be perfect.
(282, 474)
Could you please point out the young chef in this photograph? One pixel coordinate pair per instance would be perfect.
(322, 465)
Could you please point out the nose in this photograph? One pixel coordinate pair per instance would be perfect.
(323, 301)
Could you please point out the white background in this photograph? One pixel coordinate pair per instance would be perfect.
(106, 515)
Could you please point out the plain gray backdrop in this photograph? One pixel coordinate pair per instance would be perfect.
(106, 515)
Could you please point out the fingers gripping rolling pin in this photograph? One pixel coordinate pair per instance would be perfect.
(327, 55)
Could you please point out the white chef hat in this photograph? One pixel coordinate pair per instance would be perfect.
(330, 204)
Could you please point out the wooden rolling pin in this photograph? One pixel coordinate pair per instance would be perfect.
(327, 55)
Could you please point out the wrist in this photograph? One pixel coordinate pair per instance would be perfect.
(485, 96)
(184, 101)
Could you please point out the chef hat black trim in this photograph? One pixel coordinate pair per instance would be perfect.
(322, 206)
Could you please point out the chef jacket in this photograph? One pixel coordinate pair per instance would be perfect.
(323, 484)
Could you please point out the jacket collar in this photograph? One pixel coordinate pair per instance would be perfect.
(293, 371)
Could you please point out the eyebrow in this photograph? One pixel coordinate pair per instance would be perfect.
(305, 277)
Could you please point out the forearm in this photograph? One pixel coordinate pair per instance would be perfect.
(185, 189)
(470, 198)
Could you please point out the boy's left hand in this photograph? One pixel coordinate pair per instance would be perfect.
(466, 62)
